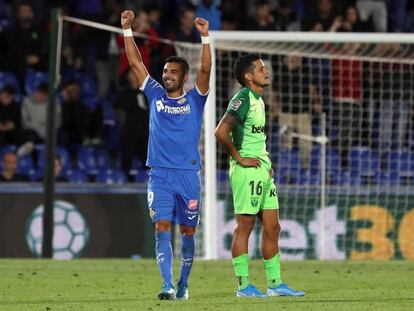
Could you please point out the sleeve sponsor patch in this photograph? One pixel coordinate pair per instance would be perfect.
(235, 104)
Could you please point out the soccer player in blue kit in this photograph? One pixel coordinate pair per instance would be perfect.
(175, 125)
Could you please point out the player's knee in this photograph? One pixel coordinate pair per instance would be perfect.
(243, 229)
(163, 225)
(272, 230)
(187, 230)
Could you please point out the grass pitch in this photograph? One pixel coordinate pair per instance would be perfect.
(133, 285)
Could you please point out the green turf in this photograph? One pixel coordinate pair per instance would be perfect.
(133, 285)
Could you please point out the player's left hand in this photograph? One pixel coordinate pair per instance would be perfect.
(201, 25)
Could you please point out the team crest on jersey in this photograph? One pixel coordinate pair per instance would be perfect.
(181, 101)
(235, 104)
(193, 204)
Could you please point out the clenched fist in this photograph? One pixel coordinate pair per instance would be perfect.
(201, 25)
(127, 17)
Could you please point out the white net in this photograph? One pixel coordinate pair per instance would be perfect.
(366, 92)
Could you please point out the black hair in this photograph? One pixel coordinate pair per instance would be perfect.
(181, 61)
(8, 88)
(150, 7)
(43, 87)
(261, 3)
(244, 64)
(185, 8)
(69, 81)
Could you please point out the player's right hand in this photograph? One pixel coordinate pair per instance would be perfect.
(127, 17)
(249, 162)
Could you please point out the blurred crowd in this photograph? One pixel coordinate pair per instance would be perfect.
(100, 104)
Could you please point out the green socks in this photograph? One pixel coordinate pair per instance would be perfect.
(272, 267)
(241, 268)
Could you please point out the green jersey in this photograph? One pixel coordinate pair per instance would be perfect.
(248, 134)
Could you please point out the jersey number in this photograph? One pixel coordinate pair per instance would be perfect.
(258, 188)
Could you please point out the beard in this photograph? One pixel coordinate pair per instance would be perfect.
(174, 87)
(262, 84)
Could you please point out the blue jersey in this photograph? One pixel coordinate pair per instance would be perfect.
(174, 127)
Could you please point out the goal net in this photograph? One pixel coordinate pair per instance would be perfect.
(347, 197)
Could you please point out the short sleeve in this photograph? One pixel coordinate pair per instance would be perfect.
(239, 107)
(151, 88)
(198, 97)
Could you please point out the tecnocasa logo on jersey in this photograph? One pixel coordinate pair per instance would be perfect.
(172, 110)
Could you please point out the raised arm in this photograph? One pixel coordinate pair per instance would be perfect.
(223, 137)
(203, 75)
(133, 54)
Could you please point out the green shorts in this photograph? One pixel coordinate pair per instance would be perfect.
(253, 189)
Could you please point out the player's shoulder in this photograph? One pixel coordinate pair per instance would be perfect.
(241, 98)
(151, 85)
(242, 94)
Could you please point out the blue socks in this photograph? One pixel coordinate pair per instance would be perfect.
(164, 256)
(187, 257)
(163, 251)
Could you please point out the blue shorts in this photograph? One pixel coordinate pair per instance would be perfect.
(174, 195)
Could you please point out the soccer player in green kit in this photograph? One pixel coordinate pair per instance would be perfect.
(241, 132)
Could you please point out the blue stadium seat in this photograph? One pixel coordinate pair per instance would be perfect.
(33, 79)
(399, 168)
(333, 166)
(90, 159)
(112, 128)
(222, 175)
(288, 166)
(87, 84)
(60, 151)
(76, 176)
(24, 164)
(308, 177)
(364, 162)
(109, 176)
(6, 23)
(401, 161)
(136, 166)
(7, 148)
(142, 176)
(91, 102)
(11, 79)
(390, 178)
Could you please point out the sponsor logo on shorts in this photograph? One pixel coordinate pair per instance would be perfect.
(193, 204)
(152, 212)
(254, 201)
(235, 104)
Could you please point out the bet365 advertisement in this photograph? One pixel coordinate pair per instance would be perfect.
(349, 227)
